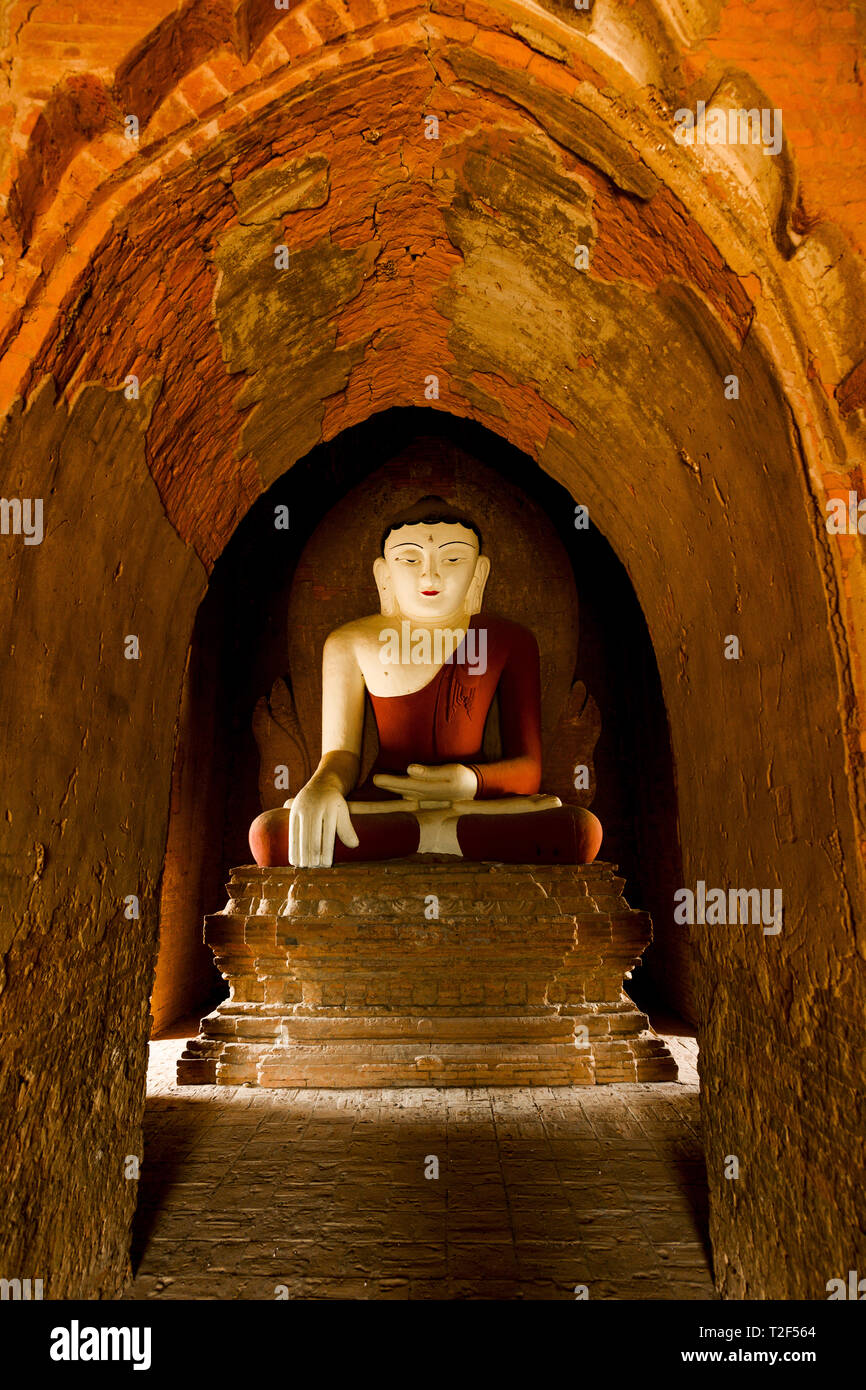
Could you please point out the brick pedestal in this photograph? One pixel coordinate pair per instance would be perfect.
(347, 977)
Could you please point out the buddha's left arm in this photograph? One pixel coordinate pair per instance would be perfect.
(518, 771)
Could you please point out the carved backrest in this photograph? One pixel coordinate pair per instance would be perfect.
(531, 582)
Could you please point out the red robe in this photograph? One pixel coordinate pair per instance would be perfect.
(443, 722)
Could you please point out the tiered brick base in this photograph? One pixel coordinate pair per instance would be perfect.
(338, 978)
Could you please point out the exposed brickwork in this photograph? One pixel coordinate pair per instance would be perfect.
(808, 57)
(339, 978)
(851, 393)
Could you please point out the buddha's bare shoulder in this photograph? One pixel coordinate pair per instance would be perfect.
(357, 634)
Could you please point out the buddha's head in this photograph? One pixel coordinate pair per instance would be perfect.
(431, 566)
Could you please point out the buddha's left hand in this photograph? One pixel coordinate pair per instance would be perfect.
(450, 782)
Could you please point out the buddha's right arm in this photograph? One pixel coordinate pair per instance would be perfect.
(343, 692)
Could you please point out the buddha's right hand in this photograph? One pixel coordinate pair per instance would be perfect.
(319, 813)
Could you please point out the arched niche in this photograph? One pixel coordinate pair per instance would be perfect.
(275, 593)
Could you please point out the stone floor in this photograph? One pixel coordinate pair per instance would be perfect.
(250, 1194)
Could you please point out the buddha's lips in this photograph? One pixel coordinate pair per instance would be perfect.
(430, 593)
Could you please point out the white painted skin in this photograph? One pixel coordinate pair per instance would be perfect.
(432, 576)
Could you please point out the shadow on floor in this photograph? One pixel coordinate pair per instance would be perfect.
(332, 1194)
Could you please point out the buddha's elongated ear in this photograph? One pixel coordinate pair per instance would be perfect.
(387, 602)
(479, 580)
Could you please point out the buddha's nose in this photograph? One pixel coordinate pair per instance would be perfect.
(430, 573)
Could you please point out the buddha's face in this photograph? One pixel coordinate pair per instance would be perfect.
(428, 570)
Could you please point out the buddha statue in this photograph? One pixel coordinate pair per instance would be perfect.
(431, 666)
